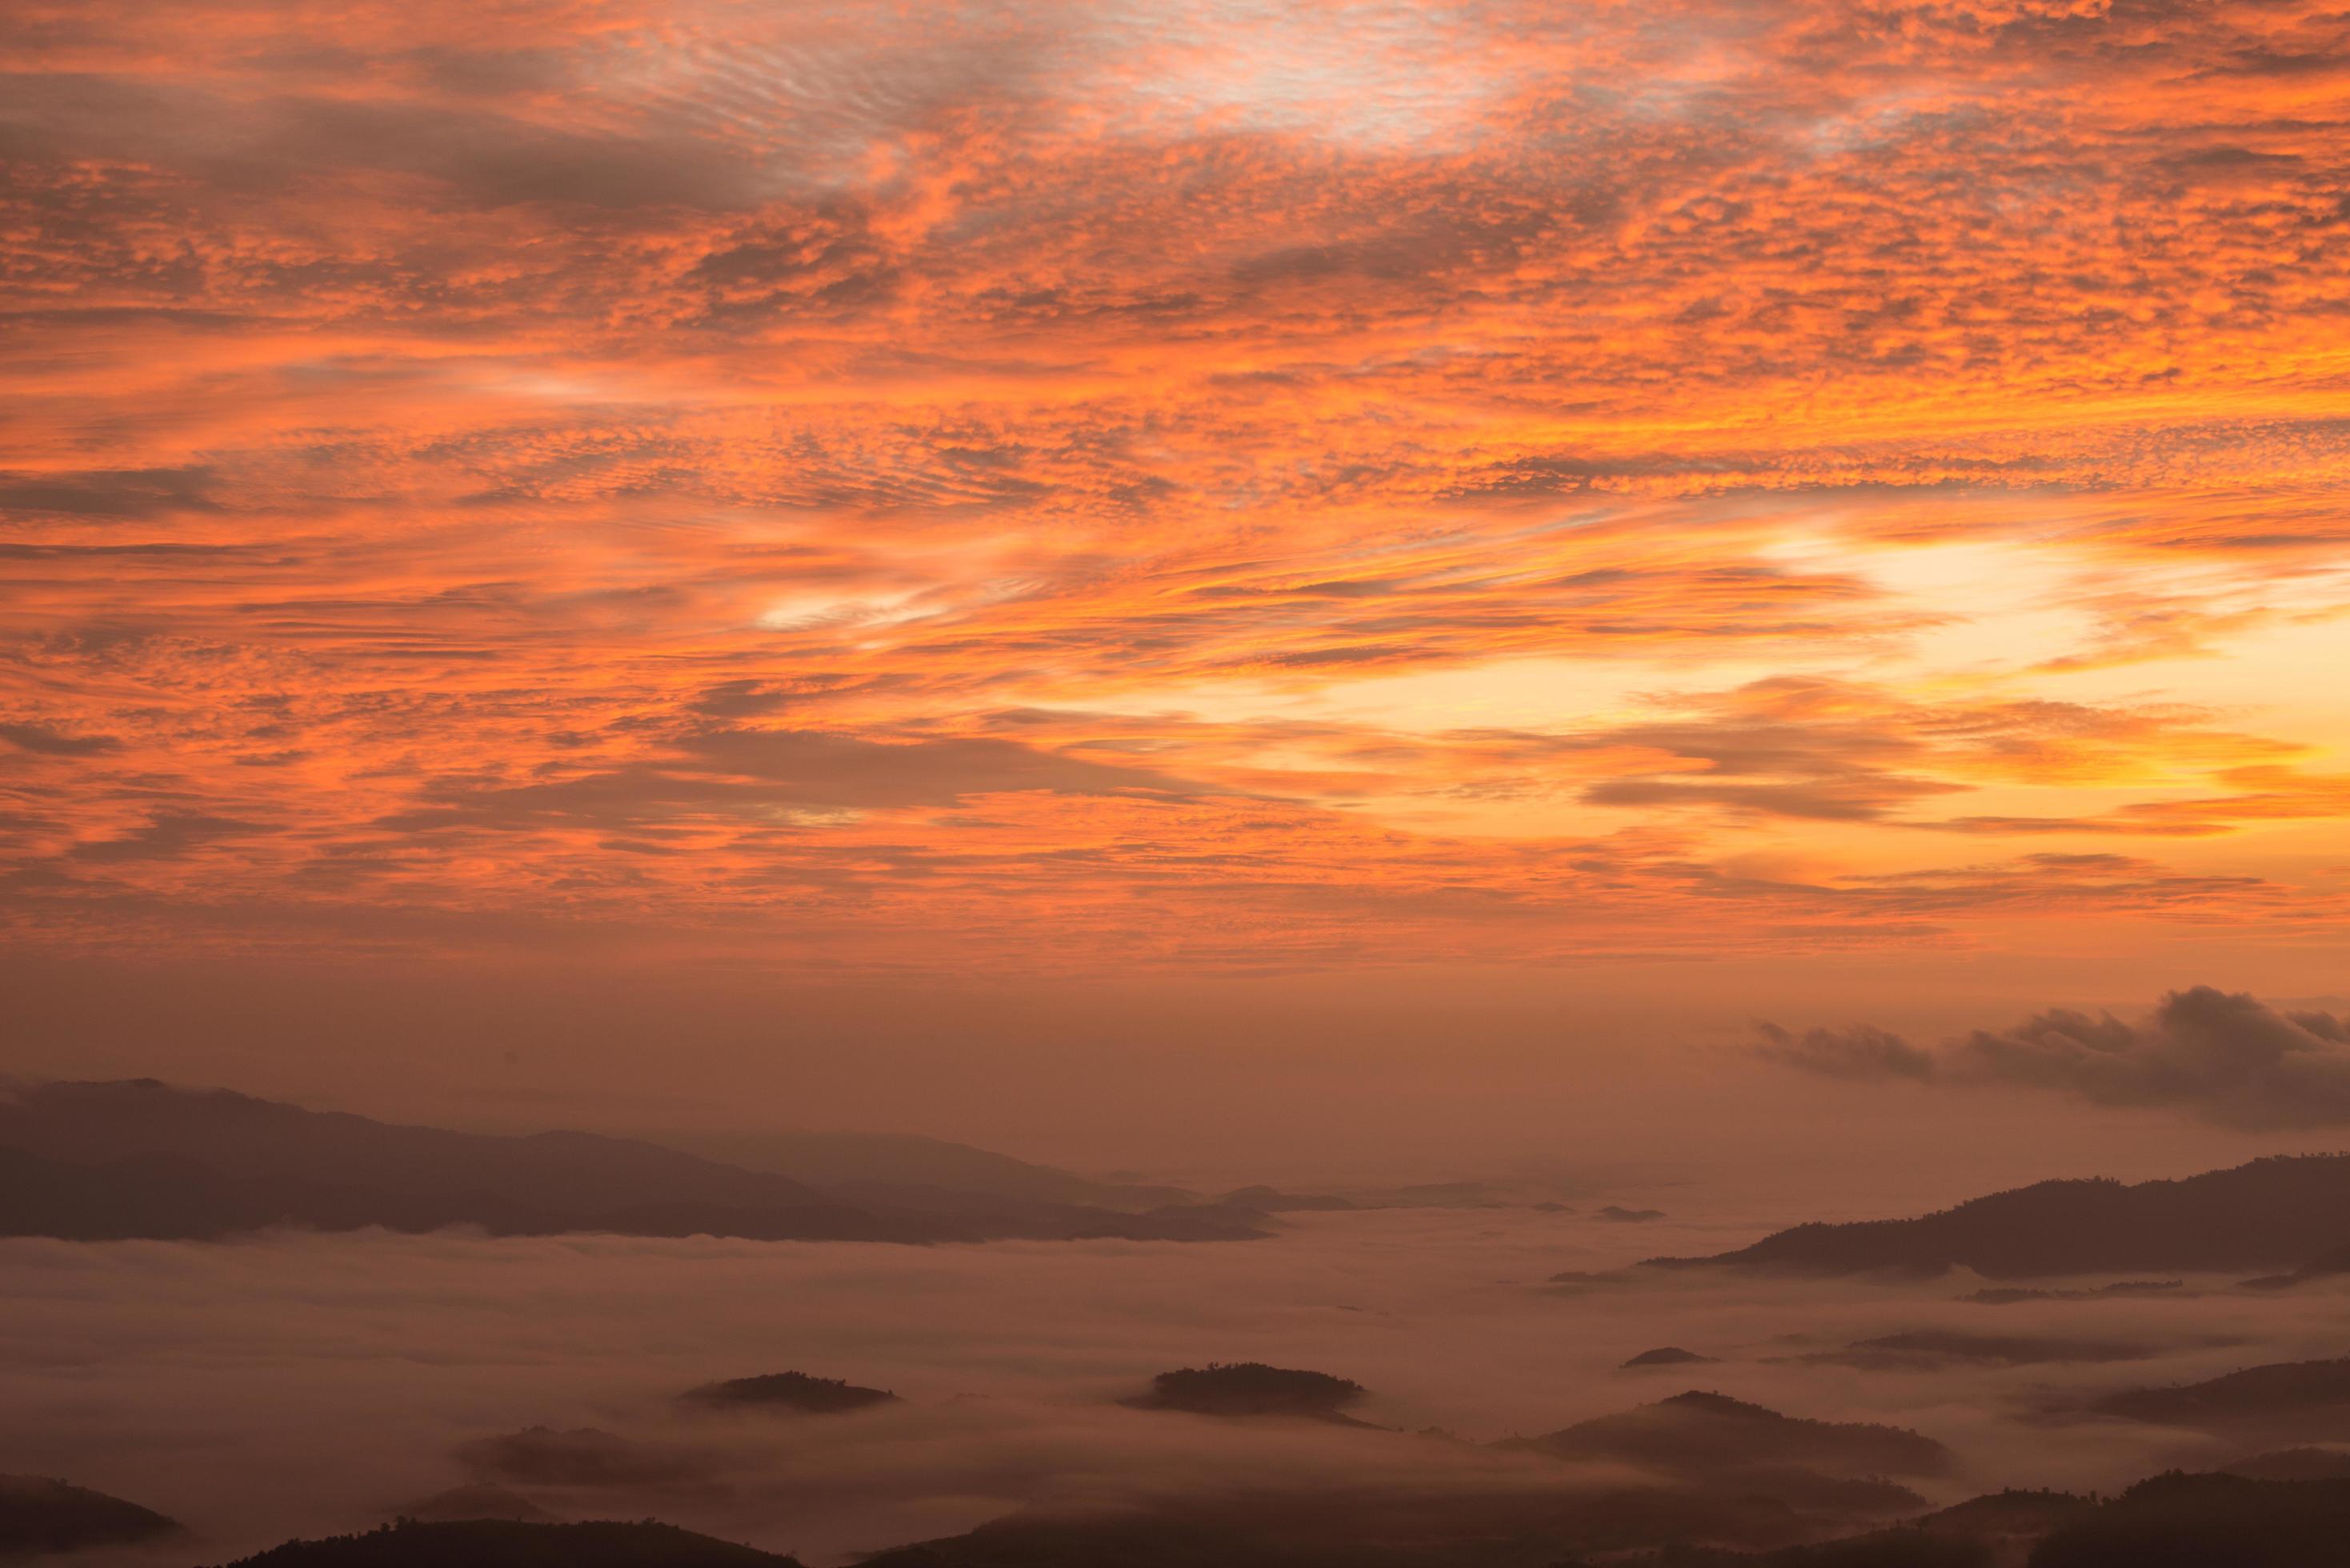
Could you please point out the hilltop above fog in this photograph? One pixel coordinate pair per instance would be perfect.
(2276, 1212)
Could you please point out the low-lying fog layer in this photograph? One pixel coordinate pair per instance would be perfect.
(308, 1384)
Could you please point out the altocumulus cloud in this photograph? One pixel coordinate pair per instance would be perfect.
(2227, 1057)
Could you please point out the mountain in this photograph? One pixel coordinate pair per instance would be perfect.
(789, 1392)
(39, 1515)
(508, 1543)
(2307, 1400)
(97, 1161)
(2278, 1210)
(1668, 1356)
(1709, 1434)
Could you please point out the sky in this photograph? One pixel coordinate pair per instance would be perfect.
(984, 559)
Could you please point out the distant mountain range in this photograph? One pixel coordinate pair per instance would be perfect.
(101, 1161)
(2278, 1211)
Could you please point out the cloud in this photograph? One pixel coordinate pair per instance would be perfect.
(167, 836)
(2227, 1058)
(46, 741)
(1438, 444)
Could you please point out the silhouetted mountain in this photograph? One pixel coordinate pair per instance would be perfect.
(1707, 1434)
(1251, 1388)
(2271, 1211)
(173, 1197)
(2182, 1521)
(790, 1391)
(2299, 1398)
(1942, 1347)
(112, 1161)
(482, 1500)
(141, 1158)
(1627, 1216)
(39, 1515)
(504, 1543)
(1669, 1355)
(584, 1456)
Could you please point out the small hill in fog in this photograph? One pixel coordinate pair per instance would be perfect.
(505, 1544)
(1699, 1432)
(1250, 1388)
(1627, 1216)
(2268, 1213)
(2298, 1398)
(1668, 1356)
(40, 1515)
(789, 1391)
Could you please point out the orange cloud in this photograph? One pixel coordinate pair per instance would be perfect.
(1102, 485)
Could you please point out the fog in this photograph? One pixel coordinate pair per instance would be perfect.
(300, 1384)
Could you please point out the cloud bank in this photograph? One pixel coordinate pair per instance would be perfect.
(2225, 1057)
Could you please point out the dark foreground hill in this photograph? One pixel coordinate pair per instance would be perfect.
(2270, 1213)
(102, 1161)
(38, 1515)
(1532, 1524)
(504, 1543)
(2208, 1521)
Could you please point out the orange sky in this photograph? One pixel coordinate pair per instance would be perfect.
(1094, 490)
